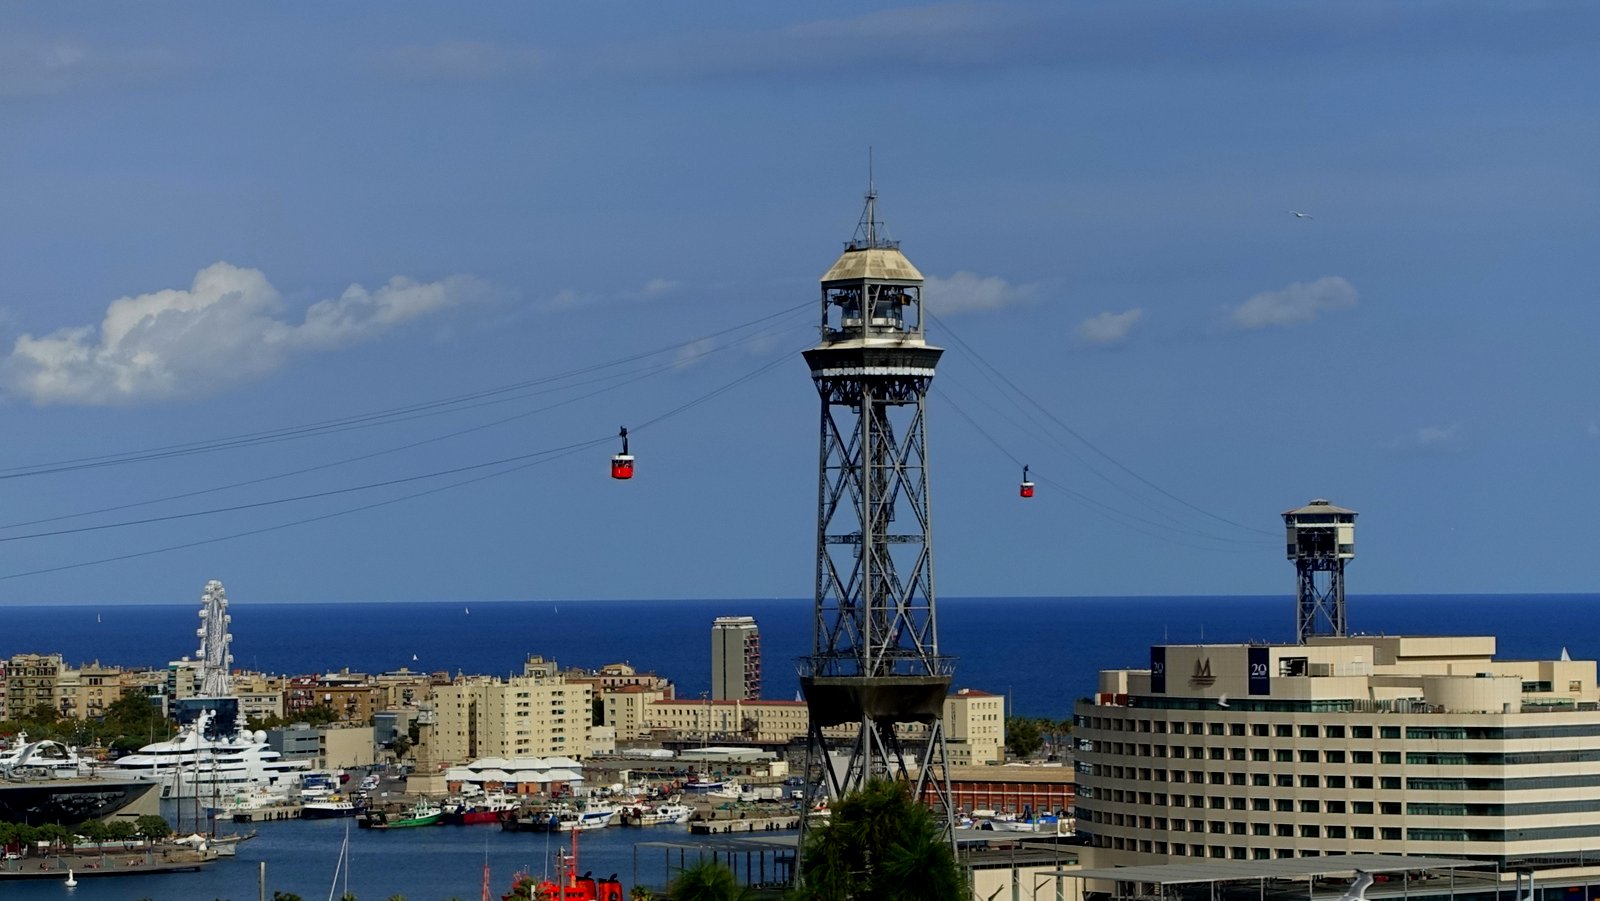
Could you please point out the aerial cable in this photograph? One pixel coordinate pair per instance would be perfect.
(631, 377)
(1050, 437)
(1105, 509)
(386, 483)
(1086, 442)
(543, 457)
(362, 420)
(307, 520)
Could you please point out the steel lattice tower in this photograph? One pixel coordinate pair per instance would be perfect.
(875, 667)
(1321, 539)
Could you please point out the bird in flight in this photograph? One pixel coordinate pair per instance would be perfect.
(1300, 215)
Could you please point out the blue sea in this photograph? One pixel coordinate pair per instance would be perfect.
(1042, 652)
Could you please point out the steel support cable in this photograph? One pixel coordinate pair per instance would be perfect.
(379, 417)
(386, 483)
(1054, 440)
(1089, 444)
(628, 378)
(310, 519)
(547, 457)
(1100, 506)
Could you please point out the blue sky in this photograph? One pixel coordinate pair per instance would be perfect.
(277, 221)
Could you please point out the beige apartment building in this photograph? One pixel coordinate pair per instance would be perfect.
(627, 709)
(87, 691)
(711, 720)
(31, 681)
(974, 728)
(974, 723)
(1361, 745)
(523, 716)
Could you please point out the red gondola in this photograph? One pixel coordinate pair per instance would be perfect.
(1027, 486)
(622, 464)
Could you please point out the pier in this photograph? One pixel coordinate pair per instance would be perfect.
(269, 814)
(775, 823)
(84, 864)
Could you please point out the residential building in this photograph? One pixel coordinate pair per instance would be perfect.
(523, 716)
(1357, 745)
(87, 691)
(626, 709)
(974, 727)
(711, 720)
(735, 658)
(31, 682)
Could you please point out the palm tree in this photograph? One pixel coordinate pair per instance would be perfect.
(707, 880)
(880, 844)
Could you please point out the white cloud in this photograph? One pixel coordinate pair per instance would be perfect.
(1431, 439)
(1109, 328)
(966, 291)
(1299, 302)
(228, 327)
(30, 67)
(572, 299)
(457, 61)
(693, 352)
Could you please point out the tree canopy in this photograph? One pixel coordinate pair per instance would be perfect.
(880, 844)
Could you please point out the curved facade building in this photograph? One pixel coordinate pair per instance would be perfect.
(1358, 745)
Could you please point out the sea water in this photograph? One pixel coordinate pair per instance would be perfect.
(1042, 653)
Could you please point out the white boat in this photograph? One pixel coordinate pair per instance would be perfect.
(590, 816)
(330, 807)
(660, 815)
(43, 760)
(192, 765)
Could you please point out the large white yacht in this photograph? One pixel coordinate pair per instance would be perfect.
(194, 766)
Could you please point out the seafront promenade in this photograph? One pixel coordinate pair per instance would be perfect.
(86, 863)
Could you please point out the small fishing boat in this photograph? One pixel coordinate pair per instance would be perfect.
(421, 813)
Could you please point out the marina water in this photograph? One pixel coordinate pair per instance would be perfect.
(1042, 652)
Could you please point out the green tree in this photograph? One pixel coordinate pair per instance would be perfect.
(286, 896)
(154, 828)
(880, 844)
(707, 880)
(402, 746)
(1023, 736)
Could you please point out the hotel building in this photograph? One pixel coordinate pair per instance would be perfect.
(1356, 745)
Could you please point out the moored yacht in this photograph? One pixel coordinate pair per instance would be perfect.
(194, 766)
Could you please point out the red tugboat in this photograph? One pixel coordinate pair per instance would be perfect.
(572, 886)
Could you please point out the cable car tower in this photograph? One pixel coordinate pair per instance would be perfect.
(1321, 538)
(875, 665)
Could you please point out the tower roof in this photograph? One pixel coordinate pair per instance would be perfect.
(1320, 505)
(879, 264)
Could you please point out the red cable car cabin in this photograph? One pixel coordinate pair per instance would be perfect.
(622, 464)
(1027, 486)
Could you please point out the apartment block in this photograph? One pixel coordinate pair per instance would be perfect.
(523, 716)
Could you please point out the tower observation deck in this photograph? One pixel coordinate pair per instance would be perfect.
(875, 662)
